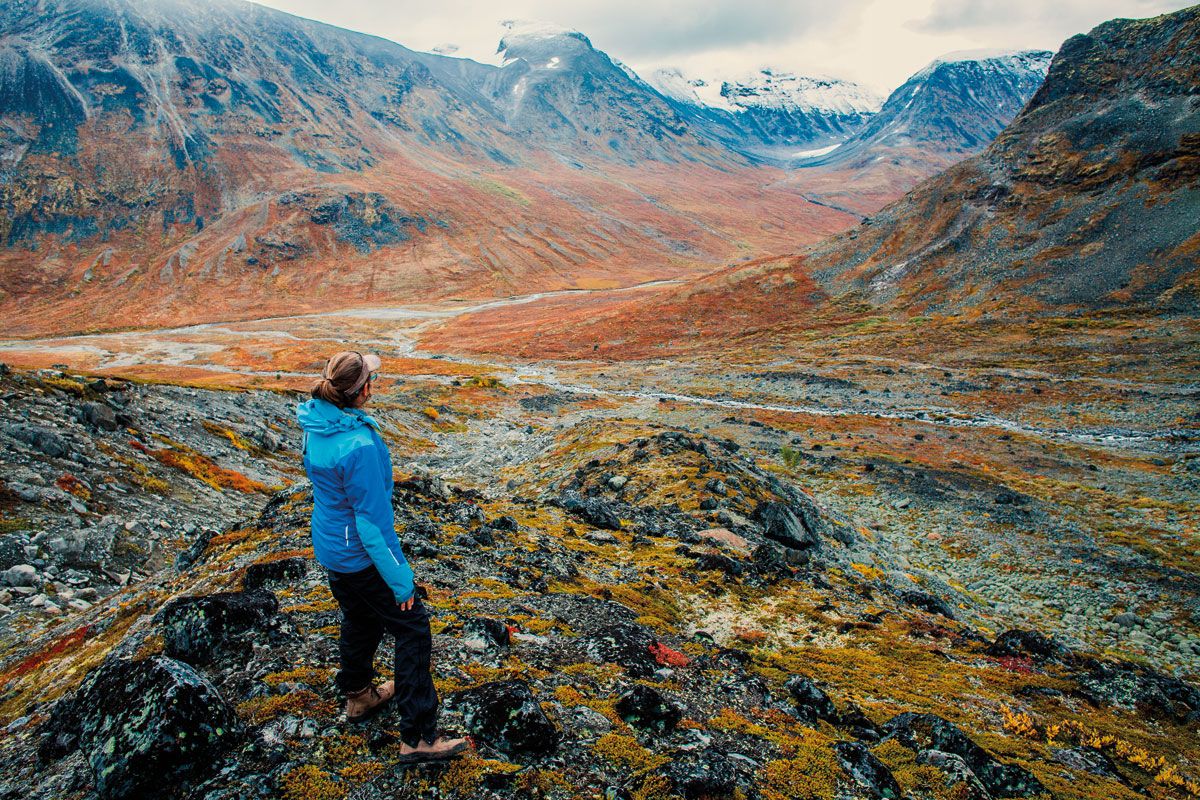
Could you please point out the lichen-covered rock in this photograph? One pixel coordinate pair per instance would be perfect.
(1018, 643)
(811, 702)
(646, 708)
(146, 728)
(960, 779)
(595, 511)
(922, 732)
(927, 602)
(626, 644)
(867, 771)
(284, 570)
(1089, 759)
(781, 524)
(198, 629)
(485, 633)
(1126, 685)
(506, 715)
(711, 773)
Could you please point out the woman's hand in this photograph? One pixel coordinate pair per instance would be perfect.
(408, 604)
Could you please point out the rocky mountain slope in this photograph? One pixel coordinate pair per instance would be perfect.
(771, 112)
(623, 607)
(1087, 200)
(951, 108)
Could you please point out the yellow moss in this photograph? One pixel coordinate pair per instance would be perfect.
(810, 775)
(313, 676)
(313, 607)
(569, 696)
(654, 787)
(362, 772)
(868, 572)
(311, 783)
(464, 775)
(626, 752)
(302, 703)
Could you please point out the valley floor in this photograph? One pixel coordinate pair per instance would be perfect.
(1048, 480)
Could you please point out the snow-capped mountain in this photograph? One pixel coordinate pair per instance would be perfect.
(554, 84)
(770, 108)
(953, 107)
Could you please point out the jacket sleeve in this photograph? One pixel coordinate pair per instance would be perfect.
(372, 502)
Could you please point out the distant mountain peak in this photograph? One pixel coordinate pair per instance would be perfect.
(1009, 60)
(537, 42)
(767, 87)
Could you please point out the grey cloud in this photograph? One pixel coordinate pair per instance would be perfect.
(1065, 16)
(654, 28)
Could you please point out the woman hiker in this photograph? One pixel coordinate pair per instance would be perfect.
(355, 539)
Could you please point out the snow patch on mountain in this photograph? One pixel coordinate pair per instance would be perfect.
(540, 43)
(1034, 61)
(767, 88)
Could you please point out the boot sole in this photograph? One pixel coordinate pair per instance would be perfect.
(416, 758)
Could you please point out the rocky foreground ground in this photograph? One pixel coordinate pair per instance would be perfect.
(643, 600)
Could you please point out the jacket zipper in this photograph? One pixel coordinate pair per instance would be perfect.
(347, 536)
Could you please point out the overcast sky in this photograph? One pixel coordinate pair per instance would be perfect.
(878, 43)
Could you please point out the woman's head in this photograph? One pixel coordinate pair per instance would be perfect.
(346, 381)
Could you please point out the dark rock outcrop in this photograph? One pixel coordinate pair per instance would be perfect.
(1019, 643)
(506, 715)
(286, 570)
(595, 511)
(146, 728)
(485, 633)
(199, 629)
(867, 771)
(710, 773)
(646, 708)
(811, 701)
(928, 732)
(626, 644)
(927, 602)
(782, 525)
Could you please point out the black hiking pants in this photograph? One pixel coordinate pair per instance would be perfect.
(368, 610)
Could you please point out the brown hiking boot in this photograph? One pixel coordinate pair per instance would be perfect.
(364, 704)
(443, 747)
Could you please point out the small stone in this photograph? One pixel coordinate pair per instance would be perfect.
(1129, 620)
(21, 575)
(617, 482)
(902, 504)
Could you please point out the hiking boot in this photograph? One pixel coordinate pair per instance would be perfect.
(441, 748)
(366, 703)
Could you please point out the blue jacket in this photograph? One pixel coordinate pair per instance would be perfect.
(351, 473)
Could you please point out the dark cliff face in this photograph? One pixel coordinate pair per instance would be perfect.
(1088, 199)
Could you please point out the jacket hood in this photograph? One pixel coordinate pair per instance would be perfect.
(325, 419)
